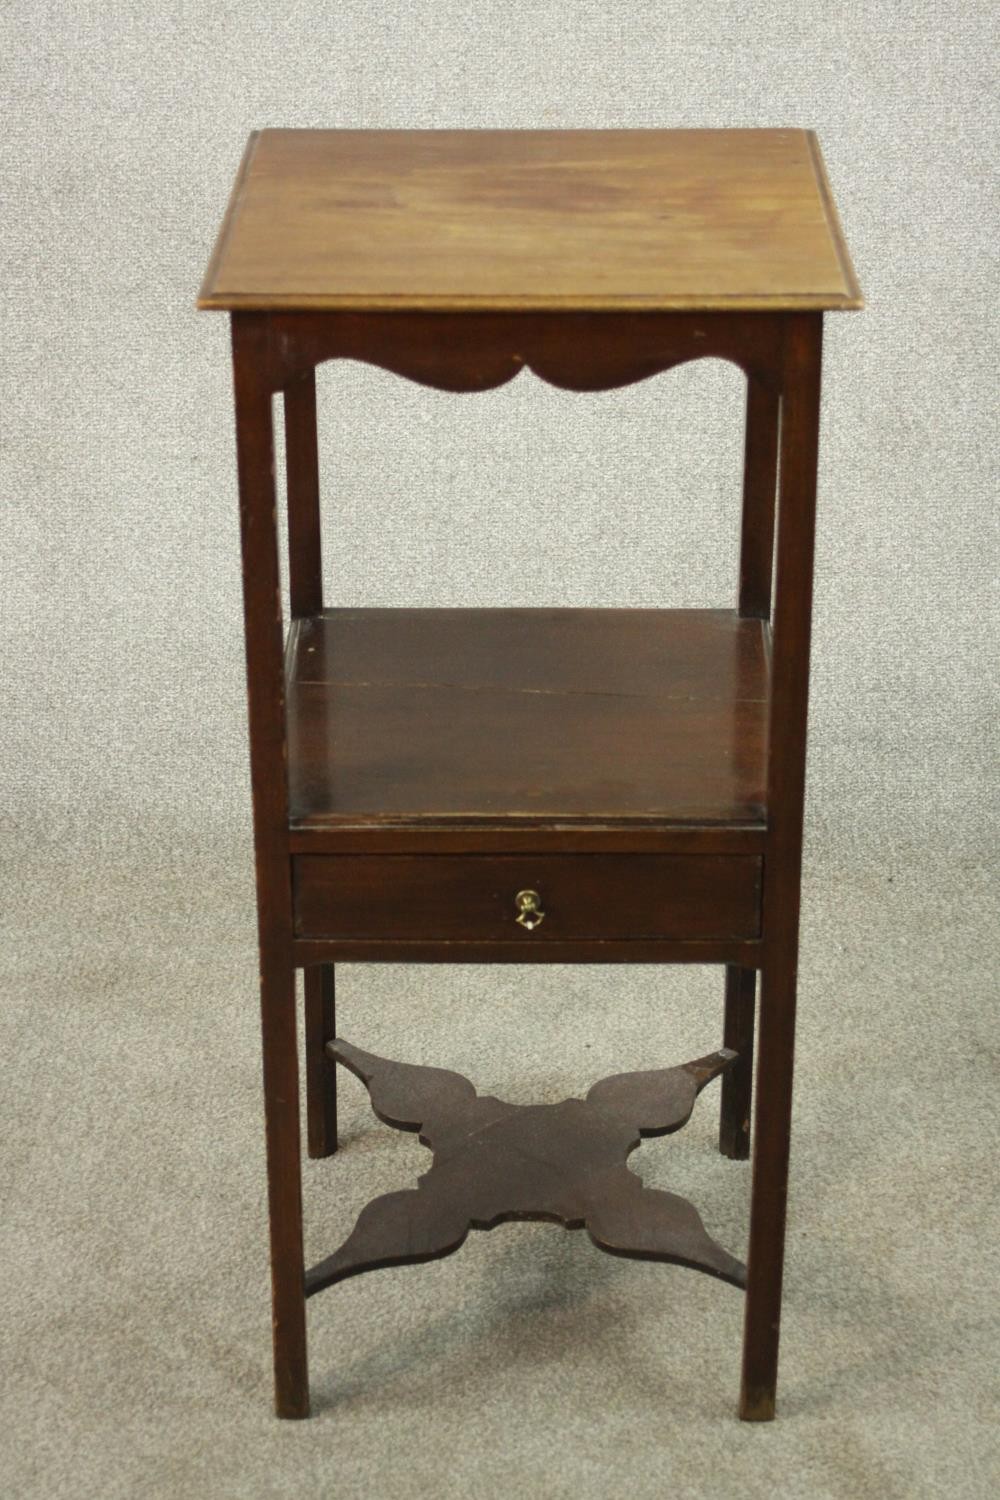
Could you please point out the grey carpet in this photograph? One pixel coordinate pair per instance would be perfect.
(133, 1304)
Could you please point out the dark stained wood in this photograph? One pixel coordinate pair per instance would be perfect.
(786, 787)
(748, 952)
(438, 716)
(265, 690)
(472, 898)
(495, 1162)
(727, 220)
(305, 589)
(305, 572)
(708, 654)
(530, 837)
(321, 1075)
(480, 351)
(658, 1101)
(760, 479)
(737, 1085)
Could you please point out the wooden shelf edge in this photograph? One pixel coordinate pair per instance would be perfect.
(550, 838)
(309, 951)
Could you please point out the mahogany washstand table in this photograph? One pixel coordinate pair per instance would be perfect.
(529, 785)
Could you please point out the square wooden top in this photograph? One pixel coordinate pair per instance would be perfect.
(537, 220)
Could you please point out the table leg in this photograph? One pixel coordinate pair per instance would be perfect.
(737, 1084)
(772, 1131)
(284, 1188)
(265, 696)
(321, 1071)
(305, 569)
(760, 477)
(800, 408)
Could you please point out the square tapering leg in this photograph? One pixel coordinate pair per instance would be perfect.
(321, 1071)
(284, 1186)
(800, 405)
(737, 1084)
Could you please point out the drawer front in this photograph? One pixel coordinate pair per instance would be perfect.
(478, 898)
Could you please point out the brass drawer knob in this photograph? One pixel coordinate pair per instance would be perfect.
(529, 909)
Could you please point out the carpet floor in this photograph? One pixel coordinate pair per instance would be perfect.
(133, 1299)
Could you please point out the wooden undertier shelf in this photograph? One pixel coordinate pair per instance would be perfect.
(494, 1162)
(508, 718)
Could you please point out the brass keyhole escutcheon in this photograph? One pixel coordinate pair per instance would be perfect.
(529, 910)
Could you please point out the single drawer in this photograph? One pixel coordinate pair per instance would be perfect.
(479, 898)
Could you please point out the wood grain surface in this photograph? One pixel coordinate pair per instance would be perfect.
(507, 716)
(471, 897)
(495, 1162)
(531, 219)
